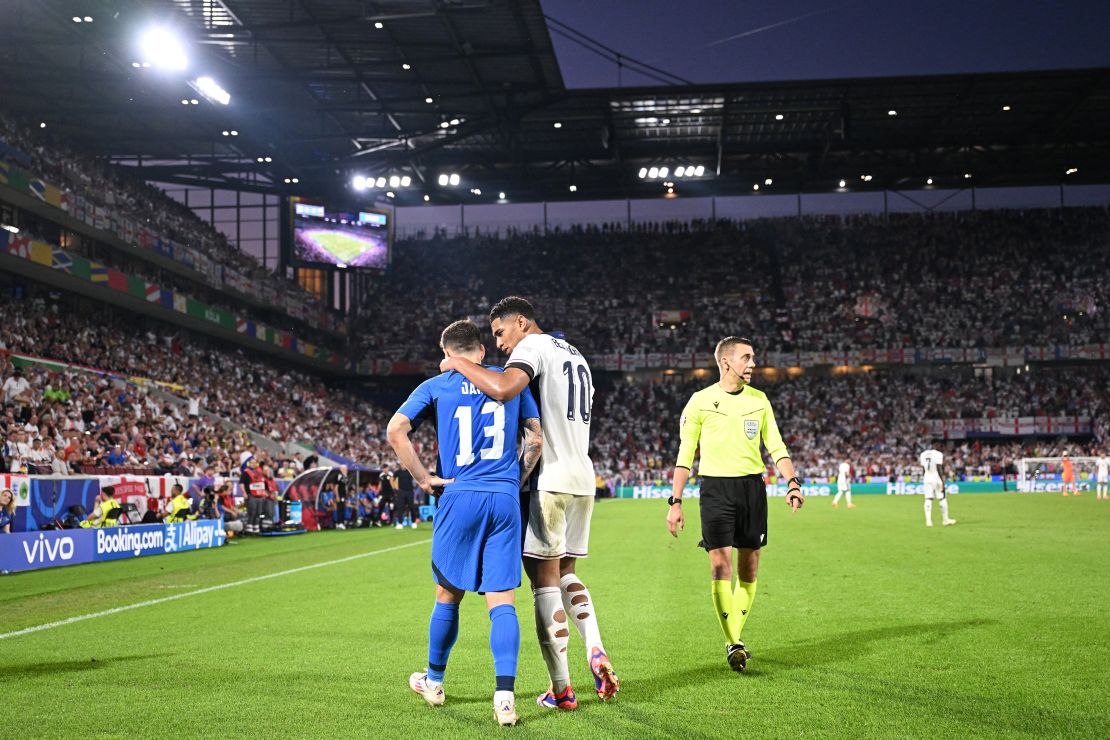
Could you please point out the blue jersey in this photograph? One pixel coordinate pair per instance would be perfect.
(477, 435)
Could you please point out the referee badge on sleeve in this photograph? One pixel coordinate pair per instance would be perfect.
(751, 428)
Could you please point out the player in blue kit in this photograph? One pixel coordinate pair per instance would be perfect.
(476, 535)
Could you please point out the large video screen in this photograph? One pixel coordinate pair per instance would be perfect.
(342, 239)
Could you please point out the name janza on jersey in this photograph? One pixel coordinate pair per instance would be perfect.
(468, 389)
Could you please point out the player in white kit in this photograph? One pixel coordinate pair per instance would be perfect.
(1102, 474)
(844, 484)
(931, 461)
(559, 512)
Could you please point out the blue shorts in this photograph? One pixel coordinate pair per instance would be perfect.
(476, 542)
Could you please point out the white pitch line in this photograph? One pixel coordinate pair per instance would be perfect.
(209, 589)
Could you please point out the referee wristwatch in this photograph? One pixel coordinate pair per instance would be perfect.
(795, 481)
(671, 501)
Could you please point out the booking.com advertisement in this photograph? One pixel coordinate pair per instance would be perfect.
(49, 549)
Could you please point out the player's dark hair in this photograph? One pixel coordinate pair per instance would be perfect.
(461, 336)
(728, 343)
(512, 306)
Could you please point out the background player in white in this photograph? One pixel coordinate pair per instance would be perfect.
(844, 484)
(1102, 474)
(559, 513)
(931, 461)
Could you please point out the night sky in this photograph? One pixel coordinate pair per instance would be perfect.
(860, 38)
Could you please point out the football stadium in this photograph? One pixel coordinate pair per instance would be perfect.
(441, 368)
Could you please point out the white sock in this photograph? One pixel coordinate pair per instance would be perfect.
(929, 512)
(582, 613)
(553, 635)
(500, 696)
(944, 509)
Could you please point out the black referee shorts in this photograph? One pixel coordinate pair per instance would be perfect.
(733, 512)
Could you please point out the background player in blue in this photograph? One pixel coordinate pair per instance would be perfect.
(476, 535)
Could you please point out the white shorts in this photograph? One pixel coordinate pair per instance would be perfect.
(558, 525)
(934, 489)
(842, 488)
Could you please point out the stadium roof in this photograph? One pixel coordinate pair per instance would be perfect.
(329, 90)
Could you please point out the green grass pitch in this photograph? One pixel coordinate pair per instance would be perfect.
(344, 247)
(866, 624)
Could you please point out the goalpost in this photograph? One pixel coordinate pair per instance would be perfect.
(1028, 467)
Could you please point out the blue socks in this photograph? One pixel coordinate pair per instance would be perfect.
(443, 630)
(504, 643)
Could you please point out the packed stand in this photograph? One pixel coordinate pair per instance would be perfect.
(288, 406)
(873, 420)
(968, 279)
(132, 198)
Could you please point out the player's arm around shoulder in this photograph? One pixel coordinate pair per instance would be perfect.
(500, 386)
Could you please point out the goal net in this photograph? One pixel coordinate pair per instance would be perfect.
(1044, 473)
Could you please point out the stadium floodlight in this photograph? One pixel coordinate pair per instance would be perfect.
(892, 112)
(967, 175)
(929, 181)
(406, 66)
(557, 124)
(394, 181)
(76, 19)
(194, 101)
(699, 170)
(501, 195)
(670, 191)
(341, 265)
(163, 49)
(454, 179)
(286, 181)
(269, 159)
(429, 100)
(865, 178)
(475, 191)
(663, 171)
(574, 188)
(296, 180)
(1006, 107)
(442, 180)
(211, 89)
(680, 171)
(391, 194)
(779, 116)
(42, 124)
(653, 173)
(427, 198)
(184, 101)
(358, 182)
(643, 172)
(455, 122)
(9, 227)
(234, 132)
(843, 183)
(406, 181)
(379, 25)
(755, 186)
(768, 181)
(380, 182)
(444, 124)
(88, 19)
(136, 65)
(259, 159)
(1072, 170)
(225, 133)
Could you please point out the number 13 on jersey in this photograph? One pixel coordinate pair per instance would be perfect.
(496, 431)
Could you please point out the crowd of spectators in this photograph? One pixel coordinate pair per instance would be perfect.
(967, 279)
(152, 430)
(874, 420)
(130, 197)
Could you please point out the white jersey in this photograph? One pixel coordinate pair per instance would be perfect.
(844, 474)
(929, 460)
(1102, 469)
(564, 391)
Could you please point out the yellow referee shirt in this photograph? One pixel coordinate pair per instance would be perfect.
(729, 428)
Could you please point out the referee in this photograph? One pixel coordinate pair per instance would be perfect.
(729, 420)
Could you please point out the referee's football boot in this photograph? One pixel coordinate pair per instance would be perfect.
(738, 656)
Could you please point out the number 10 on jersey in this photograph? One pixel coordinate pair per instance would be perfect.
(583, 395)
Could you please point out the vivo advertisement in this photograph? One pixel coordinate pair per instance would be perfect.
(22, 551)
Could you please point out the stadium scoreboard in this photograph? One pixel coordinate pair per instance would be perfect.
(320, 236)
